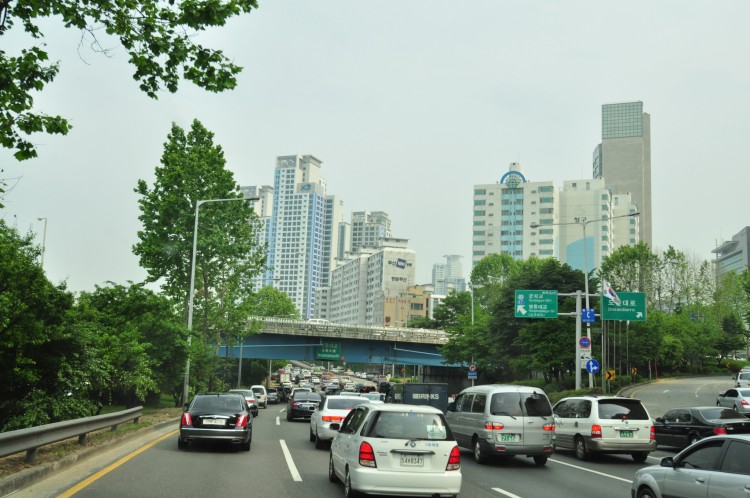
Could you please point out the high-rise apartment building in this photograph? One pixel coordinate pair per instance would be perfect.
(449, 275)
(623, 158)
(369, 228)
(504, 213)
(733, 255)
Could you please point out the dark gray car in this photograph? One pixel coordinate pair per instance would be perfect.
(216, 417)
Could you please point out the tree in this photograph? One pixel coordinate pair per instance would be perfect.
(159, 37)
(227, 256)
(269, 301)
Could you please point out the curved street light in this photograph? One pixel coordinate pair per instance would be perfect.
(198, 204)
(583, 222)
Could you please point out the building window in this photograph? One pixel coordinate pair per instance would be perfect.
(479, 223)
(546, 189)
(545, 252)
(546, 200)
(479, 213)
(480, 191)
(479, 202)
(479, 233)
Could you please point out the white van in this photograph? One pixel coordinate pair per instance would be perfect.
(499, 419)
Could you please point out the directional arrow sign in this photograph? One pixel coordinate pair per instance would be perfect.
(592, 366)
(632, 307)
(536, 304)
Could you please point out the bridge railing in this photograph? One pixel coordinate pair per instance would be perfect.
(349, 331)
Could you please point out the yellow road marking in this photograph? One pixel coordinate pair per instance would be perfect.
(75, 489)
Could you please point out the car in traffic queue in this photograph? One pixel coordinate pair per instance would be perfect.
(604, 424)
(302, 404)
(216, 417)
(333, 409)
(739, 399)
(681, 427)
(272, 395)
(260, 395)
(249, 396)
(716, 467)
(395, 449)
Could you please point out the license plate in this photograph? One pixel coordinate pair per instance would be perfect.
(626, 434)
(214, 421)
(509, 438)
(412, 460)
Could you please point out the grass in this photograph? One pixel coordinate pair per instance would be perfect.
(46, 454)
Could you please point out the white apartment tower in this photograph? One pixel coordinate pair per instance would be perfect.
(369, 228)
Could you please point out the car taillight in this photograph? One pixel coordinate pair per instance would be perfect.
(744, 402)
(367, 455)
(596, 431)
(548, 427)
(294, 404)
(454, 460)
(653, 433)
(493, 426)
(332, 418)
(186, 419)
(720, 430)
(241, 422)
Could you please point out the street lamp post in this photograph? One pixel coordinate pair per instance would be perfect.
(583, 222)
(44, 239)
(198, 204)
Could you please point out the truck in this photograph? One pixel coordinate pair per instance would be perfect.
(413, 393)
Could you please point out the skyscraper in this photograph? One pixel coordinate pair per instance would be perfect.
(623, 158)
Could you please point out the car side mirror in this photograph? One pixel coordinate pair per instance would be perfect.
(667, 462)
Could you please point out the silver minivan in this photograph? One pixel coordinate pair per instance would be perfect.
(499, 419)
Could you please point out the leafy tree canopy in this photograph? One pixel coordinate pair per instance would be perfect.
(158, 35)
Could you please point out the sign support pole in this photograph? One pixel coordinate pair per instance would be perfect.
(578, 340)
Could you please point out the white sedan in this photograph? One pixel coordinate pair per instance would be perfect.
(395, 449)
(332, 410)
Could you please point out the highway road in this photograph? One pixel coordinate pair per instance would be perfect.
(284, 463)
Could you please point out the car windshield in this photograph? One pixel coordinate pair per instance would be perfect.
(409, 425)
(621, 409)
(719, 413)
(217, 403)
(336, 403)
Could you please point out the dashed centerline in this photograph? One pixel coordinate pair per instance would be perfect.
(290, 462)
(592, 471)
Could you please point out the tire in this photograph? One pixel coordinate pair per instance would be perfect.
(183, 445)
(639, 456)
(288, 417)
(331, 471)
(645, 492)
(348, 491)
(540, 460)
(479, 456)
(693, 438)
(312, 434)
(582, 453)
(319, 443)
(246, 446)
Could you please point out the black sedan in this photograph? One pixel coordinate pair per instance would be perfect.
(681, 427)
(302, 404)
(217, 417)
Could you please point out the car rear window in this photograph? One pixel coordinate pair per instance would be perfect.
(620, 409)
(209, 403)
(409, 425)
(744, 392)
(720, 413)
(520, 404)
(343, 403)
(306, 396)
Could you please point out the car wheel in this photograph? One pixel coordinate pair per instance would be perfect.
(319, 443)
(639, 456)
(246, 446)
(540, 460)
(693, 438)
(288, 416)
(331, 471)
(582, 453)
(183, 445)
(348, 491)
(479, 456)
(645, 492)
(312, 434)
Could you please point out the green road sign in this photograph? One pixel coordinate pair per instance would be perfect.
(632, 307)
(329, 351)
(536, 304)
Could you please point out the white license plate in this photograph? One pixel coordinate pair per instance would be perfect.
(412, 460)
(510, 438)
(214, 421)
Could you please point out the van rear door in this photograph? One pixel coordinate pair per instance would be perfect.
(538, 427)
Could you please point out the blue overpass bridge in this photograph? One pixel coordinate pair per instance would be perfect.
(315, 341)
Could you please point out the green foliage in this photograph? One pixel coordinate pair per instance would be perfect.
(269, 301)
(158, 36)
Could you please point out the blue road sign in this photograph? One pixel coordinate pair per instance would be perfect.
(584, 342)
(472, 375)
(592, 366)
(588, 315)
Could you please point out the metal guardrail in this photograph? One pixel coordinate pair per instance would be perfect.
(287, 326)
(30, 439)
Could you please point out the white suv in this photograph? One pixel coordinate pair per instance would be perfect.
(604, 424)
(260, 395)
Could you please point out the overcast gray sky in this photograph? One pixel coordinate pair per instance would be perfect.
(408, 104)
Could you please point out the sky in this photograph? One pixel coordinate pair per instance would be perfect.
(408, 105)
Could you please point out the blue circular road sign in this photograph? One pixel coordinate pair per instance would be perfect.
(592, 366)
(584, 341)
